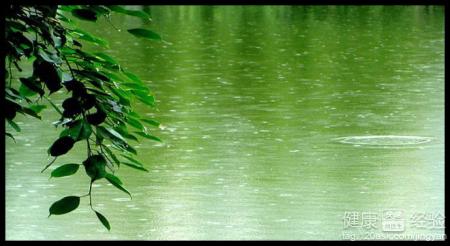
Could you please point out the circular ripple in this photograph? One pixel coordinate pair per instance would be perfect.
(384, 140)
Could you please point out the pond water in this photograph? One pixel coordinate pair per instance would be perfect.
(252, 100)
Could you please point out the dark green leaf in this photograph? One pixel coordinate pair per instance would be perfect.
(13, 94)
(144, 33)
(147, 10)
(77, 88)
(98, 92)
(32, 85)
(106, 58)
(147, 99)
(100, 10)
(151, 122)
(67, 8)
(116, 182)
(115, 138)
(96, 118)
(95, 166)
(115, 134)
(14, 125)
(11, 136)
(72, 107)
(61, 146)
(63, 18)
(11, 108)
(65, 170)
(88, 101)
(111, 154)
(124, 99)
(65, 205)
(124, 132)
(143, 134)
(136, 13)
(85, 14)
(48, 73)
(113, 76)
(132, 76)
(78, 130)
(132, 160)
(132, 165)
(90, 38)
(37, 108)
(30, 112)
(135, 87)
(103, 220)
(135, 123)
(130, 149)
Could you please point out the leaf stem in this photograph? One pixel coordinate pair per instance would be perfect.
(48, 165)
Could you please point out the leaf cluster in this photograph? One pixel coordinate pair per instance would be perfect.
(98, 109)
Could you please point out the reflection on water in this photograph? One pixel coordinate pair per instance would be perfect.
(250, 99)
(388, 141)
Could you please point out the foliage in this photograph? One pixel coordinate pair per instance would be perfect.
(99, 107)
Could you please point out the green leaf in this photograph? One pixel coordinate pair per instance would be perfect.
(136, 13)
(114, 178)
(90, 38)
(116, 139)
(135, 87)
(130, 149)
(124, 132)
(103, 220)
(145, 98)
(134, 166)
(14, 125)
(147, 10)
(106, 58)
(30, 112)
(124, 99)
(85, 132)
(65, 170)
(37, 108)
(11, 136)
(135, 123)
(31, 84)
(99, 9)
(61, 17)
(132, 160)
(65, 205)
(133, 77)
(116, 182)
(14, 94)
(143, 134)
(151, 122)
(115, 134)
(113, 76)
(144, 33)
(49, 57)
(25, 91)
(79, 130)
(112, 155)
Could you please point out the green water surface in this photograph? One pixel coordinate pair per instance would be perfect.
(250, 100)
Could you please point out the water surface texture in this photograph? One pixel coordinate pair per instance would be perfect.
(252, 100)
